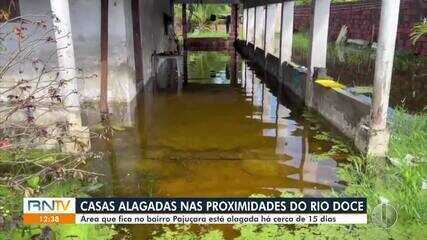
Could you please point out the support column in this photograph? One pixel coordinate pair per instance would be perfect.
(260, 27)
(103, 98)
(286, 31)
(184, 25)
(137, 43)
(65, 51)
(234, 23)
(245, 24)
(254, 26)
(270, 27)
(67, 72)
(379, 135)
(184, 41)
(251, 26)
(318, 43)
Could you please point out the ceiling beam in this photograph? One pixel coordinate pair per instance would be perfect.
(254, 3)
(208, 1)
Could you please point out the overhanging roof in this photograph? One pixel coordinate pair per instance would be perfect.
(254, 3)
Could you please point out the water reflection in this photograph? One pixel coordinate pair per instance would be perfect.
(211, 141)
(209, 67)
(292, 138)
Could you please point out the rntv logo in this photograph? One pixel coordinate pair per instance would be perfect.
(49, 205)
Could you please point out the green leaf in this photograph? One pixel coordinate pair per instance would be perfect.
(33, 182)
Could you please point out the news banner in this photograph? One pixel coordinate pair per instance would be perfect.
(195, 211)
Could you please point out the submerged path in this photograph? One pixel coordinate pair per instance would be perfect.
(217, 140)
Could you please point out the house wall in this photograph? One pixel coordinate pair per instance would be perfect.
(153, 34)
(362, 20)
(86, 24)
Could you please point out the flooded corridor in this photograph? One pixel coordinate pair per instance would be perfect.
(214, 139)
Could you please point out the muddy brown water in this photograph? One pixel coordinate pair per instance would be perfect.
(212, 139)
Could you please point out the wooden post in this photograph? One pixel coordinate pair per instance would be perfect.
(103, 101)
(286, 31)
(184, 41)
(137, 42)
(379, 136)
(184, 25)
(234, 33)
(233, 38)
(270, 28)
(318, 43)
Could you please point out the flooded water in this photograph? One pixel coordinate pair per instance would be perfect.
(212, 139)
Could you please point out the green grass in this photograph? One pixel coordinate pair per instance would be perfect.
(409, 135)
(301, 41)
(360, 56)
(208, 35)
(11, 207)
(22, 162)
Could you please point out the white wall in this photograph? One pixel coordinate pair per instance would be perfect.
(86, 24)
(152, 32)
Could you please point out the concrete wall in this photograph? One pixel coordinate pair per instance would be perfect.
(153, 33)
(362, 20)
(86, 24)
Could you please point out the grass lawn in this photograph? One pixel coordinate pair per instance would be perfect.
(208, 35)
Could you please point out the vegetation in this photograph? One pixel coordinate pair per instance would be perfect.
(208, 35)
(357, 56)
(203, 19)
(36, 133)
(305, 2)
(11, 209)
(419, 30)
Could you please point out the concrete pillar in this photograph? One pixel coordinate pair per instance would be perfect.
(245, 24)
(270, 27)
(67, 66)
(65, 51)
(379, 136)
(251, 26)
(287, 31)
(260, 27)
(318, 43)
(254, 26)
